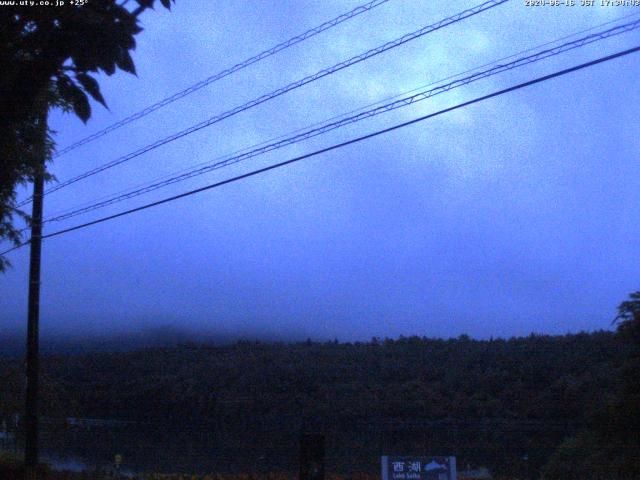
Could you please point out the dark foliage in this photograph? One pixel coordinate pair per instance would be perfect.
(52, 53)
(609, 447)
(489, 401)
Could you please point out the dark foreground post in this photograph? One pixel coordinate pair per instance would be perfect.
(311, 457)
(33, 361)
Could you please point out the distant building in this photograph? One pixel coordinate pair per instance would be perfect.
(481, 473)
(94, 422)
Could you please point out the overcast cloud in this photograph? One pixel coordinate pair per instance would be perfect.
(515, 215)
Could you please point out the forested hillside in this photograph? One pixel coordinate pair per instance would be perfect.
(535, 378)
(490, 402)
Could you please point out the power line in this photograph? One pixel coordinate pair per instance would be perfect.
(410, 100)
(281, 91)
(224, 73)
(349, 142)
(15, 247)
(336, 117)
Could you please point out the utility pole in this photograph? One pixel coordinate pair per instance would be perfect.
(33, 334)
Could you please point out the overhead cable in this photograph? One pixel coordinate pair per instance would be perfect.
(343, 115)
(344, 144)
(224, 73)
(281, 91)
(313, 132)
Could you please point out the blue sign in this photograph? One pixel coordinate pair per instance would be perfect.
(419, 468)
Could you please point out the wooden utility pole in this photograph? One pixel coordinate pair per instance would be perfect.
(312, 457)
(33, 334)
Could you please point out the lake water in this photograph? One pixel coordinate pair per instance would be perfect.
(146, 448)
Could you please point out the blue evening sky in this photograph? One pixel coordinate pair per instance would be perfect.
(516, 215)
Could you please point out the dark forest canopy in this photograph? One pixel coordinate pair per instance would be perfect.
(501, 398)
(609, 445)
(536, 377)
